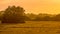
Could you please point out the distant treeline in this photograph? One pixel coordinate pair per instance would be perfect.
(16, 14)
(39, 17)
(42, 17)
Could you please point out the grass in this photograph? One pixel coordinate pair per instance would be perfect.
(31, 27)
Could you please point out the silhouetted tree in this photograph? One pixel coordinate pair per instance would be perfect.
(13, 15)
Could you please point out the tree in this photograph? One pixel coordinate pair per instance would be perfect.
(47, 18)
(57, 17)
(13, 15)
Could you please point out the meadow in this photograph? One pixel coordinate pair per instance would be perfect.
(31, 27)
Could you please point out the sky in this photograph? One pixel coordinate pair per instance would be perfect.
(34, 6)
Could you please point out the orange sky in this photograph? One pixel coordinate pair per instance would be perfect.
(34, 6)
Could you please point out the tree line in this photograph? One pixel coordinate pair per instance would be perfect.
(42, 17)
(14, 14)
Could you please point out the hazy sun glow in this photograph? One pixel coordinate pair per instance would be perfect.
(34, 6)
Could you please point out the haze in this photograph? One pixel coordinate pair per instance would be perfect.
(34, 6)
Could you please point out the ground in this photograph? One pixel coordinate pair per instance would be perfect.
(31, 27)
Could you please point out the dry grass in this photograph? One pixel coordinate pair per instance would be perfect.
(31, 27)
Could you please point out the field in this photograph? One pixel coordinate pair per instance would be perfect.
(31, 27)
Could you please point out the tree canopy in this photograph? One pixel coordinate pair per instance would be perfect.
(13, 14)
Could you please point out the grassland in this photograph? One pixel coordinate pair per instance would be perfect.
(31, 27)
